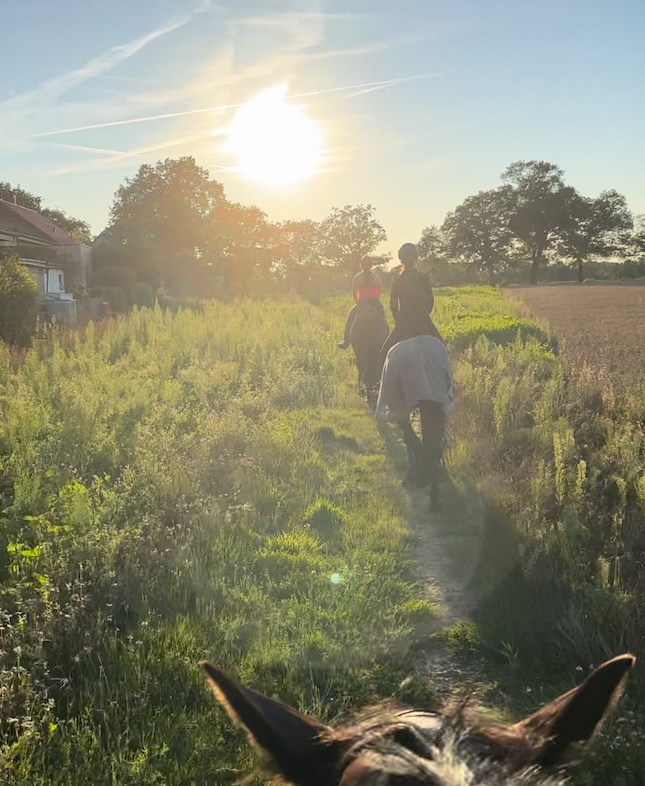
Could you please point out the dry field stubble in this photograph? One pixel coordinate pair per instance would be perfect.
(599, 326)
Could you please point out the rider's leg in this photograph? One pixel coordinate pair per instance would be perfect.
(348, 326)
(395, 336)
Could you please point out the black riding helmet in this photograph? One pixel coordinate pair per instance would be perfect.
(408, 255)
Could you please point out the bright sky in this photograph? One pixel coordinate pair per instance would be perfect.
(454, 91)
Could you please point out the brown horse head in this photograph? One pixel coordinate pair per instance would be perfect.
(409, 748)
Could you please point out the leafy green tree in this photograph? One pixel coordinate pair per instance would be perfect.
(636, 244)
(543, 208)
(240, 245)
(22, 197)
(350, 233)
(432, 244)
(477, 231)
(296, 245)
(18, 301)
(165, 214)
(599, 227)
(79, 230)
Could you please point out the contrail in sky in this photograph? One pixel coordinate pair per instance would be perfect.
(363, 88)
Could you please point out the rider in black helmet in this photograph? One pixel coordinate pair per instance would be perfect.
(411, 301)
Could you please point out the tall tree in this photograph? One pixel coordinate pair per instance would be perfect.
(599, 227)
(168, 202)
(23, 198)
(350, 233)
(637, 240)
(79, 230)
(167, 211)
(478, 232)
(543, 207)
(297, 245)
(432, 244)
(240, 244)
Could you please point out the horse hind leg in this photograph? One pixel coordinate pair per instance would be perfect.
(414, 450)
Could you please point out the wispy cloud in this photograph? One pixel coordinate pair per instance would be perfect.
(279, 19)
(23, 113)
(52, 89)
(116, 158)
(354, 90)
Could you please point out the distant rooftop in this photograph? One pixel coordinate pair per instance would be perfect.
(24, 221)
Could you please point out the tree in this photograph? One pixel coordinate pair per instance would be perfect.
(599, 227)
(240, 245)
(349, 233)
(22, 197)
(542, 207)
(296, 249)
(167, 213)
(79, 230)
(478, 232)
(167, 203)
(18, 301)
(432, 245)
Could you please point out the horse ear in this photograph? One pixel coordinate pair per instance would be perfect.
(574, 716)
(303, 749)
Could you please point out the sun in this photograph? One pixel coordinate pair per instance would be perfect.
(274, 142)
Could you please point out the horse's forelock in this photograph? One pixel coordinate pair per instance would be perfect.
(396, 752)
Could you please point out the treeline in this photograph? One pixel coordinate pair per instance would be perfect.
(532, 220)
(173, 230)
(173, 233)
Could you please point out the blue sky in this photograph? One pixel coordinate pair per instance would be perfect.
(468, 86)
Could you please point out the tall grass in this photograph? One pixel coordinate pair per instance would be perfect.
(179, 486)
(204, 484)
(559, 580)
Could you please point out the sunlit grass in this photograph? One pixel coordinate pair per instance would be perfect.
(205, 484)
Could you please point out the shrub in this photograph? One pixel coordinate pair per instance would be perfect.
(142, 295)
(118, 298)
(18, 302)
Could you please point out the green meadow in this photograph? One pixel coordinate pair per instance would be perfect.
(206, 484)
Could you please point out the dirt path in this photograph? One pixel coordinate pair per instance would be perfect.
(445, 547)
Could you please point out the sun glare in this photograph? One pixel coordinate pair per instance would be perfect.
(274, 143)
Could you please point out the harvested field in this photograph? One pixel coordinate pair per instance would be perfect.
(602, 325)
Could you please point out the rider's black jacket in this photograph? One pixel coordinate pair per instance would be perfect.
(411, 298)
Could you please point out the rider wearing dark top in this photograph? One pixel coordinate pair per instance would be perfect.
(366, 289)
(411, 301)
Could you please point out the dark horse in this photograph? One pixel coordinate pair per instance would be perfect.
(417, 376)
(412, 748)
(367, 334)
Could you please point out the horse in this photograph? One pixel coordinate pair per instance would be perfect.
(366, 336)
(416, 748)
(417, 375)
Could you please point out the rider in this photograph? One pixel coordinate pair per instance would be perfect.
(366, 289)
(411, 301)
